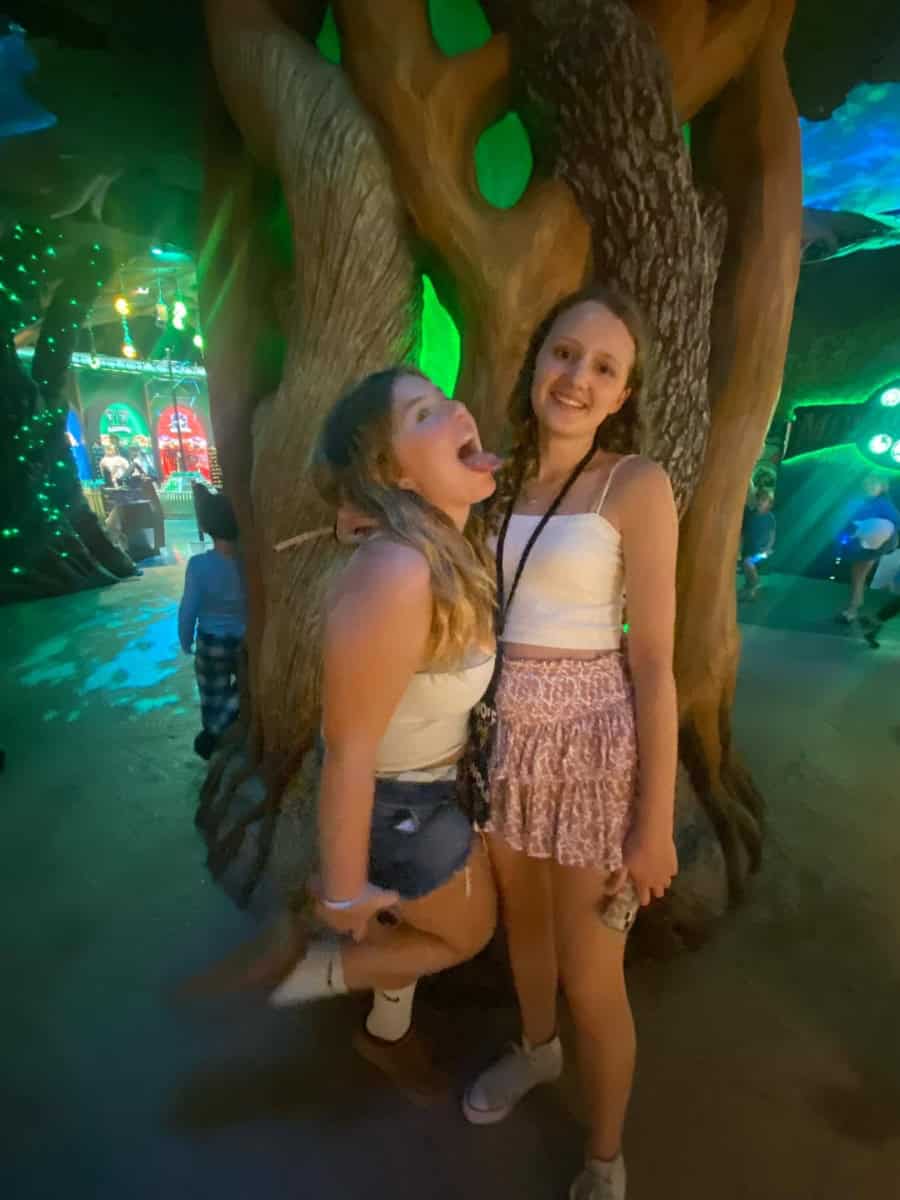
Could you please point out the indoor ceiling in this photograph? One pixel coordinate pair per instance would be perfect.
(104, 136)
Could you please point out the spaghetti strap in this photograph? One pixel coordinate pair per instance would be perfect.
(610, 477)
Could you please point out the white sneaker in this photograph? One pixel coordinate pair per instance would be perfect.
(497, 1091)
(600, 1181)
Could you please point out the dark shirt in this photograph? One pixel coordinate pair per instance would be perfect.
(758, 533)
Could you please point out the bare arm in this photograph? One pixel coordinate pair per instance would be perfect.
(650, 539)
(375, 638)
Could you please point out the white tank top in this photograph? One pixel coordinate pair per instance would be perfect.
(430, 725)
(572, 592)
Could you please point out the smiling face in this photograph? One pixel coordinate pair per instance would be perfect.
(436, 448)
(582, 372)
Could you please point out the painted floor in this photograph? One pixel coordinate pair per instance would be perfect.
(769, 1060)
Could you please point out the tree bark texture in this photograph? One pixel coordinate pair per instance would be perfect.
(748, 149)
(377, 181)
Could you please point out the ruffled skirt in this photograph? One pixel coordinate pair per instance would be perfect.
(565, 766)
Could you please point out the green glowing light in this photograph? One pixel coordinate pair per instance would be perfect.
(198, 341)
(328, 43)
(458, 25)
(439, 351)
(504, 162)
(17, 571)
(891, 397)
(880, 443)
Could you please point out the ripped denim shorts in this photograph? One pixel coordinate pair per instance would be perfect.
(420, 836)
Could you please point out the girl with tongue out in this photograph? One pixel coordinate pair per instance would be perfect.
(408, 651)
(579, 838)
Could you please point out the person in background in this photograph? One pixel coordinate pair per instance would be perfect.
(872, 626)
(886, 577)
(140, 466)
(114, 466)
(757, 540)
(213, 615)
(97, 453)
(870, 533)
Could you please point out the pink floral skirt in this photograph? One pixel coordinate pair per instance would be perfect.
(565, 766)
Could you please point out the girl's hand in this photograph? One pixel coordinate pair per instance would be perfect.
(354, 920)
(352, 526)
(652, 862)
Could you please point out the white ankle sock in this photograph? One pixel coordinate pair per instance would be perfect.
(391, 1014)
(319, 973)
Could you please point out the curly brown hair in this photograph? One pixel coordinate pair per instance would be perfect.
(621, 432)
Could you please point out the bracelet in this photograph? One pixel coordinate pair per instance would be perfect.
(344, 905)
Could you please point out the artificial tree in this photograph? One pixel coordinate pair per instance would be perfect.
(371, 166)
(50, 541)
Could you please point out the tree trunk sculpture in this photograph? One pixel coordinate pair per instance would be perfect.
(374, 162)
(51, 542)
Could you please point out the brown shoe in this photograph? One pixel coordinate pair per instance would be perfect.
(408, 1064)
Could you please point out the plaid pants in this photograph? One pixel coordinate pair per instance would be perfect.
(216, 666)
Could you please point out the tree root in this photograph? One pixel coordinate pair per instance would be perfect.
(218, 797)
(731, 801)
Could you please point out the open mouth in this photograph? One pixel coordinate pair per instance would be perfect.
(469, 448)
(471, 455)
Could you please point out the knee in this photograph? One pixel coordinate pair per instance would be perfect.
(594, 999)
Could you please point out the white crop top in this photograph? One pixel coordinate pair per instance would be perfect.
(430, 725)
(572, 592)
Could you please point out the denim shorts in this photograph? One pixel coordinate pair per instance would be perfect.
(420, 836)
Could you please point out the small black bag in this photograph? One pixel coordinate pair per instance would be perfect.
(474, 767)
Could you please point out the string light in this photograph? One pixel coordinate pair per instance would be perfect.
(46, 491)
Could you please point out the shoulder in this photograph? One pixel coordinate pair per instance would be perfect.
(645, 503)
(381, 604)
(382, 569)
(641, 481)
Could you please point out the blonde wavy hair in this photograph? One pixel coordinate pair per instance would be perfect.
(353, 463)
(622, 432)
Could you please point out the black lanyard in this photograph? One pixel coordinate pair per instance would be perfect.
(503, 605)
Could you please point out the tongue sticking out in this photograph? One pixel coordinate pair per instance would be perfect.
(480, 460)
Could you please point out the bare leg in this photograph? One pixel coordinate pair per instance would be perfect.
(859, 573)
(439, 931)
(751, 578)
(591, 958)
(527, 904)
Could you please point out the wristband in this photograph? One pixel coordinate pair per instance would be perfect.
(345, 905)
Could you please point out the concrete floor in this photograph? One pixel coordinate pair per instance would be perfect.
(770, 1059)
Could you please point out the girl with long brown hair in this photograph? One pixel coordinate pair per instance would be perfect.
(580, 830)
(405, 887)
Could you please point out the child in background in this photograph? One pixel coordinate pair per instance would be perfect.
(213, 606)
(757, 540)
(870, 533)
